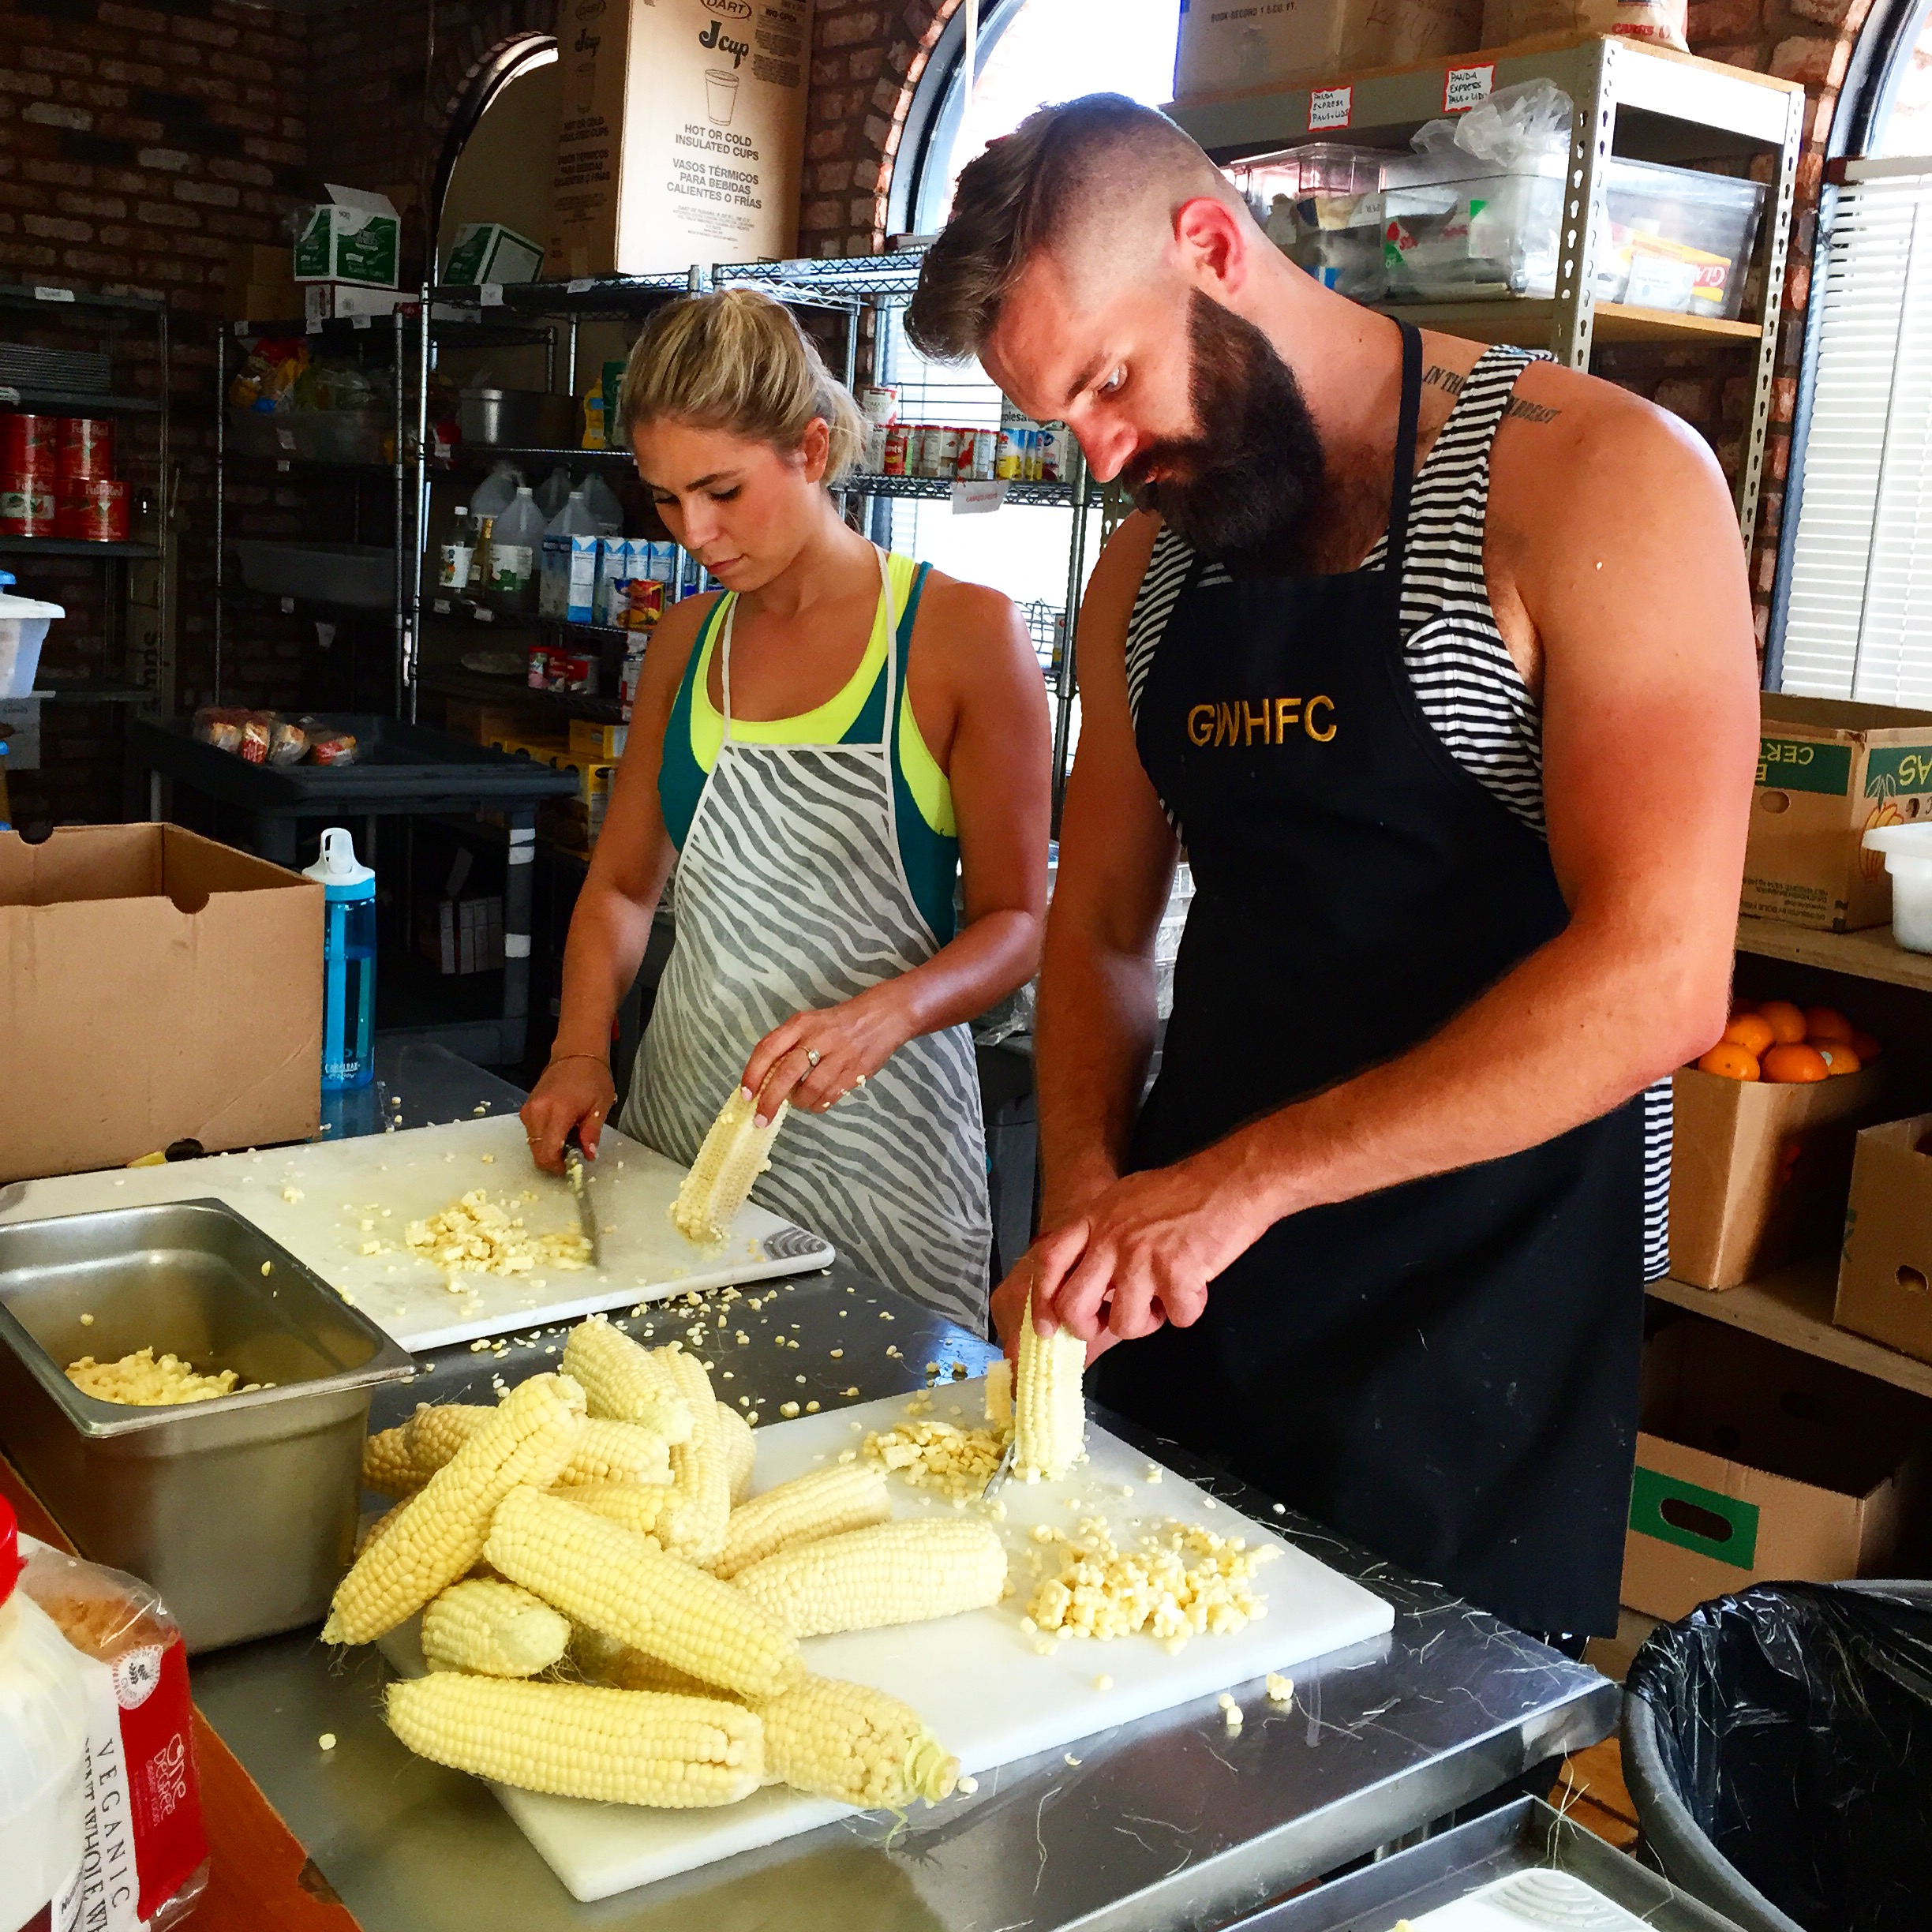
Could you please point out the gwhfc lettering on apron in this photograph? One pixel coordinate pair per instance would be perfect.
(1273, 721)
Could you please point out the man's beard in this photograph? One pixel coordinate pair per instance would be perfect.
(1244, 488)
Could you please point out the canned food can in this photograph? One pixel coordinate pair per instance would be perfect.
(93, 510)
(967, 441)
(895, 462)
(1010, 455)
(874, 461)
(945, 452)
(86, 448)
(27, 507)
(985, 452)
(880, 403)
(1053, 453)
(29, 445)
(1035, 455)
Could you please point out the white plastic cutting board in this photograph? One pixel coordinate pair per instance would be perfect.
(353, 1192)
(1531, 1901)
(975, 1679)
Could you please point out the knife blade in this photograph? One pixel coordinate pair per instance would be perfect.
(580, 1187)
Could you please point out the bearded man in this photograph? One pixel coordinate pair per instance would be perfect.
(1437, 659)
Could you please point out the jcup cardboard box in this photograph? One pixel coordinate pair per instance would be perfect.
(488, 252)
(1828, 771)
(1754, 1462)
(158, 987)
(1226, 46)
(682, 134)
(1760, 1170)
(354, 236)
(1885, 1270)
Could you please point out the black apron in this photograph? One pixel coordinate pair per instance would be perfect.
(1446, 1371)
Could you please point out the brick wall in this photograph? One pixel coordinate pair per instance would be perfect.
(869, 55)
(135, 146)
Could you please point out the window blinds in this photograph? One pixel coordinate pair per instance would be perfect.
(1859, 619)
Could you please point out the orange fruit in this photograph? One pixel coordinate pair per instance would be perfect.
(1824, 1026)
(1752, 1031)
(1786, 1022)
(1794, 1065)
(1865, 1046)
(1839, 1057)
(1731, 1061)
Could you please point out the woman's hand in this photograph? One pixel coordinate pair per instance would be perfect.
(575, 1090)
(818, 1057)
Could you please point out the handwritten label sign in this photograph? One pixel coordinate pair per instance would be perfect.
(490, 294)
(1330, 108)
(978, 498)
(1465, 88)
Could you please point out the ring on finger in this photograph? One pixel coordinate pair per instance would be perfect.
(813, 1056)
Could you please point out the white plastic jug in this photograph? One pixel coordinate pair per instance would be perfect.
(554, 491)
(602, 500)
(497, 491)
(1908, 850)
(24, 623)
(516, 544)
(43, 1747)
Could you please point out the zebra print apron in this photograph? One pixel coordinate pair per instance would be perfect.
(789, 894)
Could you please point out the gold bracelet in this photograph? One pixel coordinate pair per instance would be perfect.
(603, 1060)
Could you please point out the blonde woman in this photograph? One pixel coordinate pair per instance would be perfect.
(823, 749)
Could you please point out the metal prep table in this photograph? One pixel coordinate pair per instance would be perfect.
(1167, 1822)
(404, 771)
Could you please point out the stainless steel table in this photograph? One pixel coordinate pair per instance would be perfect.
(1168, 1822)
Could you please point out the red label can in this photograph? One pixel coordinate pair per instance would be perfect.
(93, 511)
(895, 461)
(86, 448)
(29, 445)
(27, 506)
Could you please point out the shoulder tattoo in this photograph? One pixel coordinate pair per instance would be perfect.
(1451, 381)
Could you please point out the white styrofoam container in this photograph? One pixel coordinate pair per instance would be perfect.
(24, 623)
(1908, 850)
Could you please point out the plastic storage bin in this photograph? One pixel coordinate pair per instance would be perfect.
(362, 575)
(1908, 850)
(1461, 229)
(24, 623)
(1321, 204)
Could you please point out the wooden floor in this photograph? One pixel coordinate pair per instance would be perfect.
(1591, 1792)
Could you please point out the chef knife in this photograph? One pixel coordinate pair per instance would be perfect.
(580, 1186)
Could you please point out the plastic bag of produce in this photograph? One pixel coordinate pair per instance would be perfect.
(146, 1864)
(1792, 1723)
(1505, 21)
(288, 743)
(219, 725)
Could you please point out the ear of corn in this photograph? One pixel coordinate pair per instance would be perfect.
(624, 1382)
(582, 1740)
(693, 1526)
(627, 1669)
(437, 1430)
(382, 1526)
(828, 1502)
(893, 1573)
(605, 1451)
(643, 1508)
(1050, 1417)
(598, 1572)
(848, 1742)
(999, 1395)
(387, 1466)
(441, 1531)
(685, 1374)
(740, 1446)
(494, 1628)
(735, 1152)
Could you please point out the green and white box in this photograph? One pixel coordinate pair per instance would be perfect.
(488, 252)
(354, 236)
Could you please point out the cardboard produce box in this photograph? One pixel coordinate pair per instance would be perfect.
(682, 135)
(354, 236)
(1760, 1170)
(488, 252)
(1756, 1463)
(1885, 1270)
(1226, 46)
(159, 987)
(1828, 771)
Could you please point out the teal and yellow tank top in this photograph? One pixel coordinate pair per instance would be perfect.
(922, 799)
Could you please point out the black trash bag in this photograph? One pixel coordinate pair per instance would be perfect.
(1794, 1721)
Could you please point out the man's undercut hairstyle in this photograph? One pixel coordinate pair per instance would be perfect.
(1082, 164)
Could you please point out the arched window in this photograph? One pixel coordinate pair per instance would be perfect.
(1851, 612)
(1029, 52)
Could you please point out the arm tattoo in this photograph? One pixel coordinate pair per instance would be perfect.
(1451, 381)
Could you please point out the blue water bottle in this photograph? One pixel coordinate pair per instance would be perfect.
(349, 963)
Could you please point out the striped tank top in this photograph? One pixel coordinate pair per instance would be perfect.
(1464, 678)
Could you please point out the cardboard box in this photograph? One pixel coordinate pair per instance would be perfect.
(682, 134)
(261, 284)
(1226, 46)
(354, 236)
(1885, 1269)
(159, 987)
(462, 936)
(1828, 771)
(493, 724)
(1760, 1170)
(1754, 1462)
(331, 301)
(488, 252)
(589, 740)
